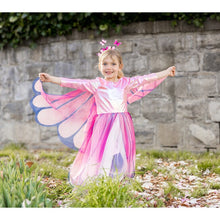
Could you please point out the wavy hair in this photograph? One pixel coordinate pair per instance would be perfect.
(112, 54)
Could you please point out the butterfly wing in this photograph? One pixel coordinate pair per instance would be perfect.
(69, 112)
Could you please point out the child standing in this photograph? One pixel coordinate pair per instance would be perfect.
(94, 118)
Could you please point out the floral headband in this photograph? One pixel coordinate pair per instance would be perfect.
(103, 42)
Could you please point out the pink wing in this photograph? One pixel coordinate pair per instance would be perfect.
(142, 87)
(69, 112)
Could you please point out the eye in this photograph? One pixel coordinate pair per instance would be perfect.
(104, 64)
(114, 64)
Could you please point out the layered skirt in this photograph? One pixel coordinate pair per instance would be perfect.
(108, 149)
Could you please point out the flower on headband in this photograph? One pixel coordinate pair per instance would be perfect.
(117, 43)
(103, 42)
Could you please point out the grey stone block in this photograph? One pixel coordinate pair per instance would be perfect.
(14, 111)
(204, 135)
(170, 134)
(126, 47)
(22, 55)
(164, 27)
(54, 51)
(140, 28)
(144, 131)
(208, 40)
(177, 86)
(145, 45)
(211, 62)
(35, 55)
(26, 132)
(191, 108)
(134, 109)
(158, 109)
(6, 131)
(11, 57)
(32, 70)
(171, 42)
(23, 91)
(159, 62)
(169, 87)
(66, 69)
(214, 110)
(187, 62)
(189, 41)
(203, 87)
(3, 57)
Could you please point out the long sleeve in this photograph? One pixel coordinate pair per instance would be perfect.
(140, 86)
(81, 84)
(145, 79)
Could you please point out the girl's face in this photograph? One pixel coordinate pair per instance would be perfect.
(109, 68)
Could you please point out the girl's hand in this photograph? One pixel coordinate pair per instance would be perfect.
(45, 77)
(171, 71)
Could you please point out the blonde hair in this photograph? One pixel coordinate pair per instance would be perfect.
(112, 54)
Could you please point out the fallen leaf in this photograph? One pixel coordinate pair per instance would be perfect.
(29, 164)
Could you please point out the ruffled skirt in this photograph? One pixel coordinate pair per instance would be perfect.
(108, 149)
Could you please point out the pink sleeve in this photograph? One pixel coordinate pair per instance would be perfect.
(89, 85)
(140, 86)
(141, 80)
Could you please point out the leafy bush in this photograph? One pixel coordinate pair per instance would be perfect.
(104, 192)
(17, 28)
(18, 188)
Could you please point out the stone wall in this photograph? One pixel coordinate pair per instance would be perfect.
(182, 113)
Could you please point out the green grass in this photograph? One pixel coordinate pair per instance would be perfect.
(172, 191)
(52, 170)
(18, 149)
(215, 186)
(212, 164)
(199, 192)
(104, 192)
(53, 156)
(52, 165)
(172, 155)
(146, 164)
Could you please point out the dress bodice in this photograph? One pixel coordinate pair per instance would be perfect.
(111, 97)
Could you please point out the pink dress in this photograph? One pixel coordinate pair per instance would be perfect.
(94, 120)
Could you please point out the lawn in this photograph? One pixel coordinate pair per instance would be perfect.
(38, 178)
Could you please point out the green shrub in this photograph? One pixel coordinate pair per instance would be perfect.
(104, 192)
(17, 28)
(18, 188)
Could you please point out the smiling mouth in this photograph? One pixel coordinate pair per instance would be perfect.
(108, 73)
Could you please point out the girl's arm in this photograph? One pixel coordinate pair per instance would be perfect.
(168, 72)
(45, 77)
(148, 78)
(81, 84)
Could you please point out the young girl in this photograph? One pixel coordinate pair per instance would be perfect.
(94, 118)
